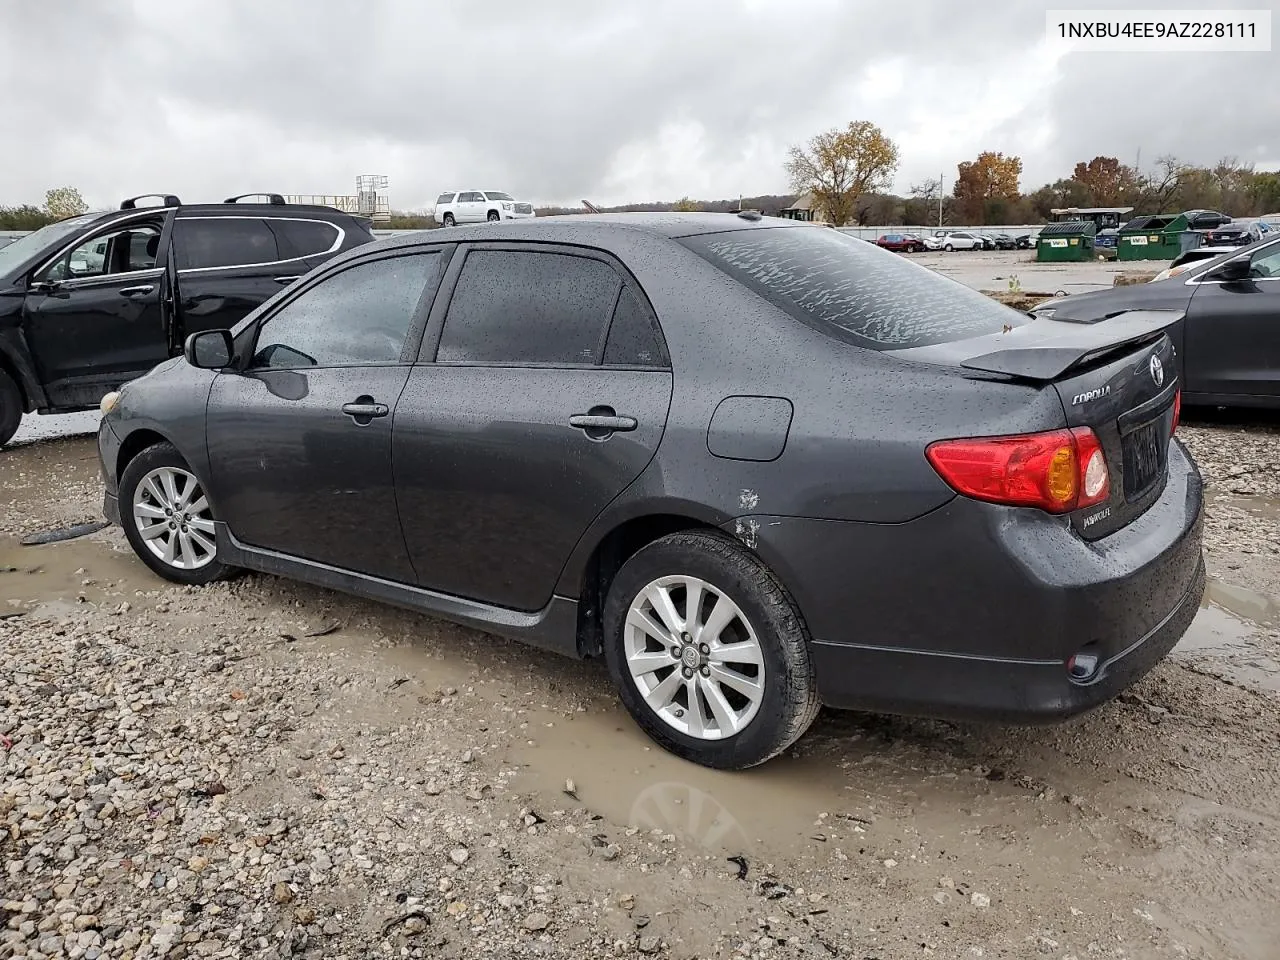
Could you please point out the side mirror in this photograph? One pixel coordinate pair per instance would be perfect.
(1237, 268)
(209, 349)
(44, 286)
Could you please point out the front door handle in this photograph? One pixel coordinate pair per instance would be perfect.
(286, 280)
(137, 291)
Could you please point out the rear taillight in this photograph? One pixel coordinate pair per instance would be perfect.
(1177, 410)
(1058, 471)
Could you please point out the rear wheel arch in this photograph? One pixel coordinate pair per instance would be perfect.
(614, 549)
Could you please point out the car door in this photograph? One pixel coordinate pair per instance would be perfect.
(300, 437)
(93, 315)
(1233, 331)
(471, 207)
(226, 266)
(547, 395)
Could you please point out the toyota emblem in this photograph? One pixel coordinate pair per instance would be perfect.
(1157, 370)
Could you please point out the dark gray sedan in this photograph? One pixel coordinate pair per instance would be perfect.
(1228, 342)
(757, 465)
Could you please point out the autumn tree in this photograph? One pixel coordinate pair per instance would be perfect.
(986, 187)
(839, 166)
(62, 202)
(685, 205)
(1106, 182)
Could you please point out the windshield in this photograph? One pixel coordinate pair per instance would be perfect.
(851, 290)
(33, 243)
(495, 195)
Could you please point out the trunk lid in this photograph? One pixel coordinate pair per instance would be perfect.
(1117, 376)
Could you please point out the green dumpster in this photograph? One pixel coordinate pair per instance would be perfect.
(1066, 241)
(1156, 237)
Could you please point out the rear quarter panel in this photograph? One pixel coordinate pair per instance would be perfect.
(861, 421)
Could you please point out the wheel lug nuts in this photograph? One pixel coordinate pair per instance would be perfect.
(675, 652)
(703, 649)
(688, 674)
(685, 637)
(706, 671)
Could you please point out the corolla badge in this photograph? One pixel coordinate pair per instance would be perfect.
(1157, 370)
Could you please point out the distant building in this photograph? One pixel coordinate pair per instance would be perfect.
(801, 209)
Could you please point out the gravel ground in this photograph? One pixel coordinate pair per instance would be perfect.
(263, 769)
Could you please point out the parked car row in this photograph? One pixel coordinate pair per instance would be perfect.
(949, 241)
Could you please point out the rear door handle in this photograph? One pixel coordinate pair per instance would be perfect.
(137, 291)
(286, 280)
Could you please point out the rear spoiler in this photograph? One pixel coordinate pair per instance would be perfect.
(1045, 349)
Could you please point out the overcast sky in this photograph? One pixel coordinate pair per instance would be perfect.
(560, 100)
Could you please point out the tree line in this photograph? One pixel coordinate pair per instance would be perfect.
(848, 172)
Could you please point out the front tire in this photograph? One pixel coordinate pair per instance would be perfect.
(493, 216)
(708, 651)
(167, 518)
(949, 248)
(10, 407)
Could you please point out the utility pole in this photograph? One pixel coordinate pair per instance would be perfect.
(940, 176)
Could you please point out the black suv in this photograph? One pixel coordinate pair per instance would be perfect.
(93, 301)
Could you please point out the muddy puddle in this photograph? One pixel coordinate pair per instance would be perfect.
(57, 580)
(1233, 636)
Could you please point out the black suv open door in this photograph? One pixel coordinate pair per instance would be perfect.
(94, 315)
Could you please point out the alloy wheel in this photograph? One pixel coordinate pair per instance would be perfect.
(173, 518)
(694, 657)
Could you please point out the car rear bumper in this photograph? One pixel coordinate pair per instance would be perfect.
(972, 611)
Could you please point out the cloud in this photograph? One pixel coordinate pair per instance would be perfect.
(566, 99)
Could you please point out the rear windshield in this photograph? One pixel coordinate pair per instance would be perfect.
(853, 290)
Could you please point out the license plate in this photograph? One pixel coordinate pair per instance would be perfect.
(1144, 454)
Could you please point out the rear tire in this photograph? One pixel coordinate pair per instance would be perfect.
(167, 518)
(10, 407)
(448, 220)
(739, 659)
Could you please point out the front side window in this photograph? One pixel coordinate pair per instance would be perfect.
(516, 306)
(134, 248)
(357, 316)
(851, 290)
(471, 198)
(215, 242)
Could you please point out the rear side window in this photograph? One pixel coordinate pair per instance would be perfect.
(634, 339)
(853, 290)
(303, 238)
(223, 242)
(356, 316)
(517, 306)
(445, 198)
(471, 197)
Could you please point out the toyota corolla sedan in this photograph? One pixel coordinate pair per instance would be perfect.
(757, 465)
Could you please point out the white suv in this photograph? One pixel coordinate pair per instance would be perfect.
(477, 206)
